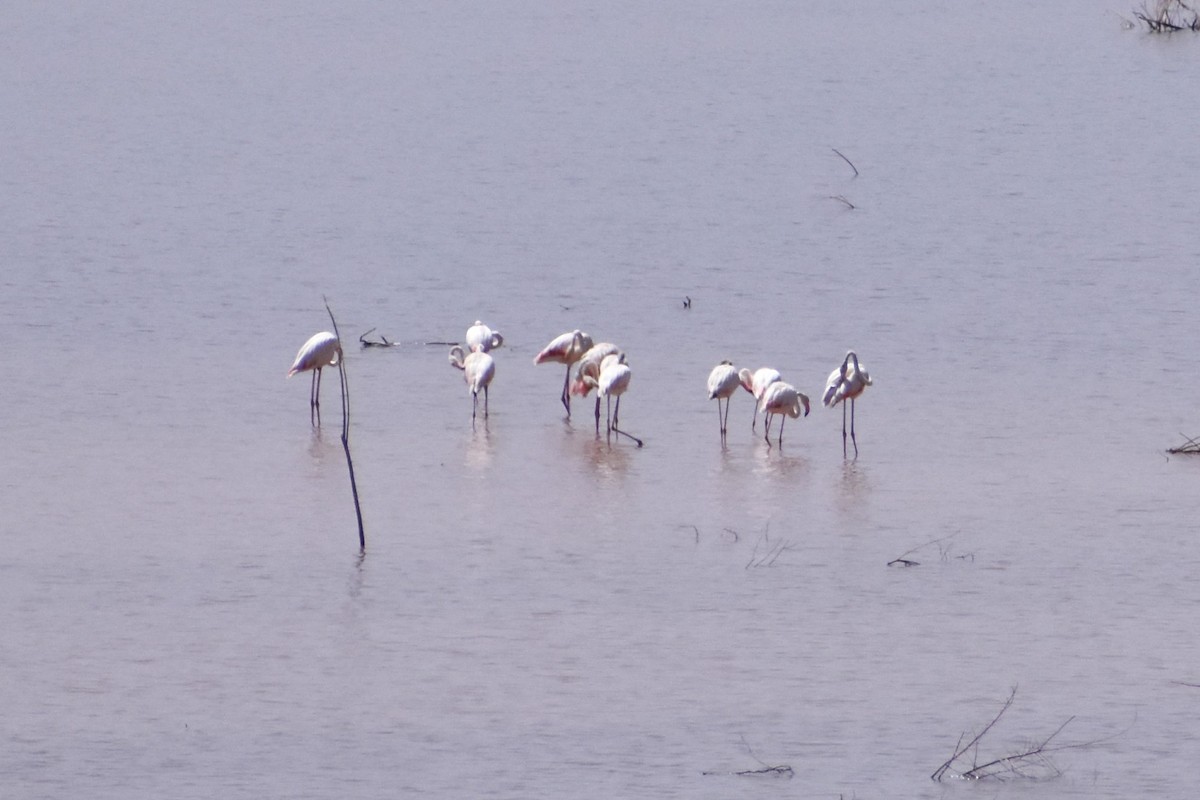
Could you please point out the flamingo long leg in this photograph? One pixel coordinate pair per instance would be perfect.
(314, 398)
(852, 429)
(844, 429)
(566, 395)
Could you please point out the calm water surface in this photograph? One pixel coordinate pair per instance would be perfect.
(540, 613)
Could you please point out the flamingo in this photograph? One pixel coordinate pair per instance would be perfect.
(481, 337)
(782, 399)
(613, 382)
(321, 350)
(478, 370)
(723, 381)
(587, 367)
(566, 349)
(846, 382)
(756, 383)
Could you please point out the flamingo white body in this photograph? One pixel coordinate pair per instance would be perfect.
(320, 351)
(482, 338)
(566, 349)
(723, 381)
(587, 372)
(781, 399)
(478, 370)
(756, 383)
(613, 382)
(846, 382)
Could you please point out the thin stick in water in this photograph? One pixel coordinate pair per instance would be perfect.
(848, 161)
(362, 539)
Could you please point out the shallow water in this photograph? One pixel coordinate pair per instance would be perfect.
(540, 612)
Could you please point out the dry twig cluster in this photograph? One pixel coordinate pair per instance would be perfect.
(1168, 16)
(1031, 761)
(1191, 445)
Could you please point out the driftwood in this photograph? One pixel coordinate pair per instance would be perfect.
(383, 340)
(769, 770)
(1029, 762)
(902, 560)
(1168, 16)
(1190, 446)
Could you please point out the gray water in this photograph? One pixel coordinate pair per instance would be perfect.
(540, 612)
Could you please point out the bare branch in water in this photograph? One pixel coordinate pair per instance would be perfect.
(1189, 447)
(1168, 16)
(841, 199)
(362, 539)
(902, 560)
(1032, 762)
(848, 161)
(773, 550)
(775, 770)
(383, 341)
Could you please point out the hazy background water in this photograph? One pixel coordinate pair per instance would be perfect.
(540, 613)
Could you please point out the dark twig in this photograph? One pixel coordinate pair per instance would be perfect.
(773, 552)
(1191, 446)
(902, 561)
(1031, 762)
(383, 342)
(848, 161)
(842, 199)
(778, 770)
(1169, 16)
(962, 748)
(362, 539)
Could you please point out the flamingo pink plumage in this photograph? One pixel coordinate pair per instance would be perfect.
(321, 350)
(566, 349)
(846, 382)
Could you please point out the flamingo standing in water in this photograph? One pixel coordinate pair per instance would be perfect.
(565, 349)
(782, 399)
(756, 383)
(481, 337)
(587, 372)
(846, 382)
(613, 382)
(478, 370)
(723, 381)
(320, 351)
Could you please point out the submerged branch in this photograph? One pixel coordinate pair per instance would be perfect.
(776, 770)
(1168, 16)
(1031, 762)
(902, 560)
(1192, 445)
(362, 539)
(383, 341)
(848, 161)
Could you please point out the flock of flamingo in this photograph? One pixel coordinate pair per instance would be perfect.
(603, 367)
